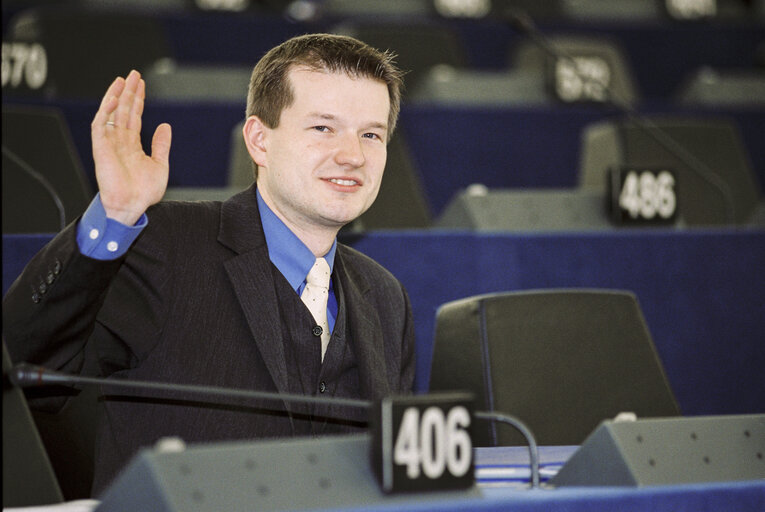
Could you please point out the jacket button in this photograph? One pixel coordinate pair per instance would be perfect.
(317, 330)
(42, 288)
(36, 298)
(50, 278)
(322, 387)
(57, 267)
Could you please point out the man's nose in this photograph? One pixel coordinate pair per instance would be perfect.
(350, 151)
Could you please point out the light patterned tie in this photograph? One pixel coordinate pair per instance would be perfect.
(315, 296)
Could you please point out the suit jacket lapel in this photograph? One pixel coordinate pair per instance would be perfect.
(364, 330)
(252, 280)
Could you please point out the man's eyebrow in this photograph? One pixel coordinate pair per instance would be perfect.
(331, 117)
(322, 115)
(382, 126)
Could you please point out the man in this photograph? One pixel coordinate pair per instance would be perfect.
(209, 293)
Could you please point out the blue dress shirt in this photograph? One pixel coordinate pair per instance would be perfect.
(102, 238)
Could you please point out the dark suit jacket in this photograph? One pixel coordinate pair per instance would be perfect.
(194, 302)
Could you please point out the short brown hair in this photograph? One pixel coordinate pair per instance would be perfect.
(270, 91)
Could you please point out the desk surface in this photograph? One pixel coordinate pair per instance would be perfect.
(740, 496)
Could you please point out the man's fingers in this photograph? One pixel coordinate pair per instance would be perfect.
(114, 90)
(125, 104)
(160, 144)
(108, 104)
(136, 111)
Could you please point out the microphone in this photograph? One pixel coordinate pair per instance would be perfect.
(42, 180)
(25, 375)
(524, 24)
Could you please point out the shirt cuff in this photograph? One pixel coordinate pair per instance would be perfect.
(102, 238)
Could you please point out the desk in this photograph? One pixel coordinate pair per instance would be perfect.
(738, 496)
(742, 496)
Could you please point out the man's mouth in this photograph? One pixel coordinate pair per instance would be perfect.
(347, 183)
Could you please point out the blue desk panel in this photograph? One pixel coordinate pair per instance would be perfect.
(702, 293)
(716, 497)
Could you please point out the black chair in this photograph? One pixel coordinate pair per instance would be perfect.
(76, 53)
(374, 9)
(599, 61)
(716, 87)
(401, 202)
(28, 477)
(449, 86)
(67, 421)
(170, 81)
(715, 182)
(561, 361)
(44, 184)
(418, 45)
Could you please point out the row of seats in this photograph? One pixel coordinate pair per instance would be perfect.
(625, 10)
(716, 184)
(62, 53)
(452, 113)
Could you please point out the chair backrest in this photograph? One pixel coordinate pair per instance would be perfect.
(69, 436)
(401, 202)
(374, 8)
(449, 86)
(240, 168)
(418, 45)
(167, 80)
(66, 52)
(707, 156)
(600, 59)
(561, 361)
(28, 477)
(708, 86)
(42, 172)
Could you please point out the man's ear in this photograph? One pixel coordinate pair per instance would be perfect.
(254, 132)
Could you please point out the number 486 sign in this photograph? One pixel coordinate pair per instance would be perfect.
(423, 443)
(643, 196)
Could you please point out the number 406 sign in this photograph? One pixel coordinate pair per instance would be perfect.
(423, 442)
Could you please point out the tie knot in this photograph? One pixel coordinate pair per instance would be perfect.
(319, 274)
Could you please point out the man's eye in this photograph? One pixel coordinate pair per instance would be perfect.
(321, 128)
(371, 135)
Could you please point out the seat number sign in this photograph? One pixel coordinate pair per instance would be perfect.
(582, 78)
(423, 443)
(24, 65)
(643, 196)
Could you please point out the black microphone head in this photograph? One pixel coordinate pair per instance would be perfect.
(24, 375)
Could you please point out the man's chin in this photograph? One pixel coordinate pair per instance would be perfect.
(343, 216)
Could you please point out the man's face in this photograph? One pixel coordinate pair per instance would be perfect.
(322, 166)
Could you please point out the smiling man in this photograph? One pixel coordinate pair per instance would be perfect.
(230, 294)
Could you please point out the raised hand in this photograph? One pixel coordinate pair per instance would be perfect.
(129, 180)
